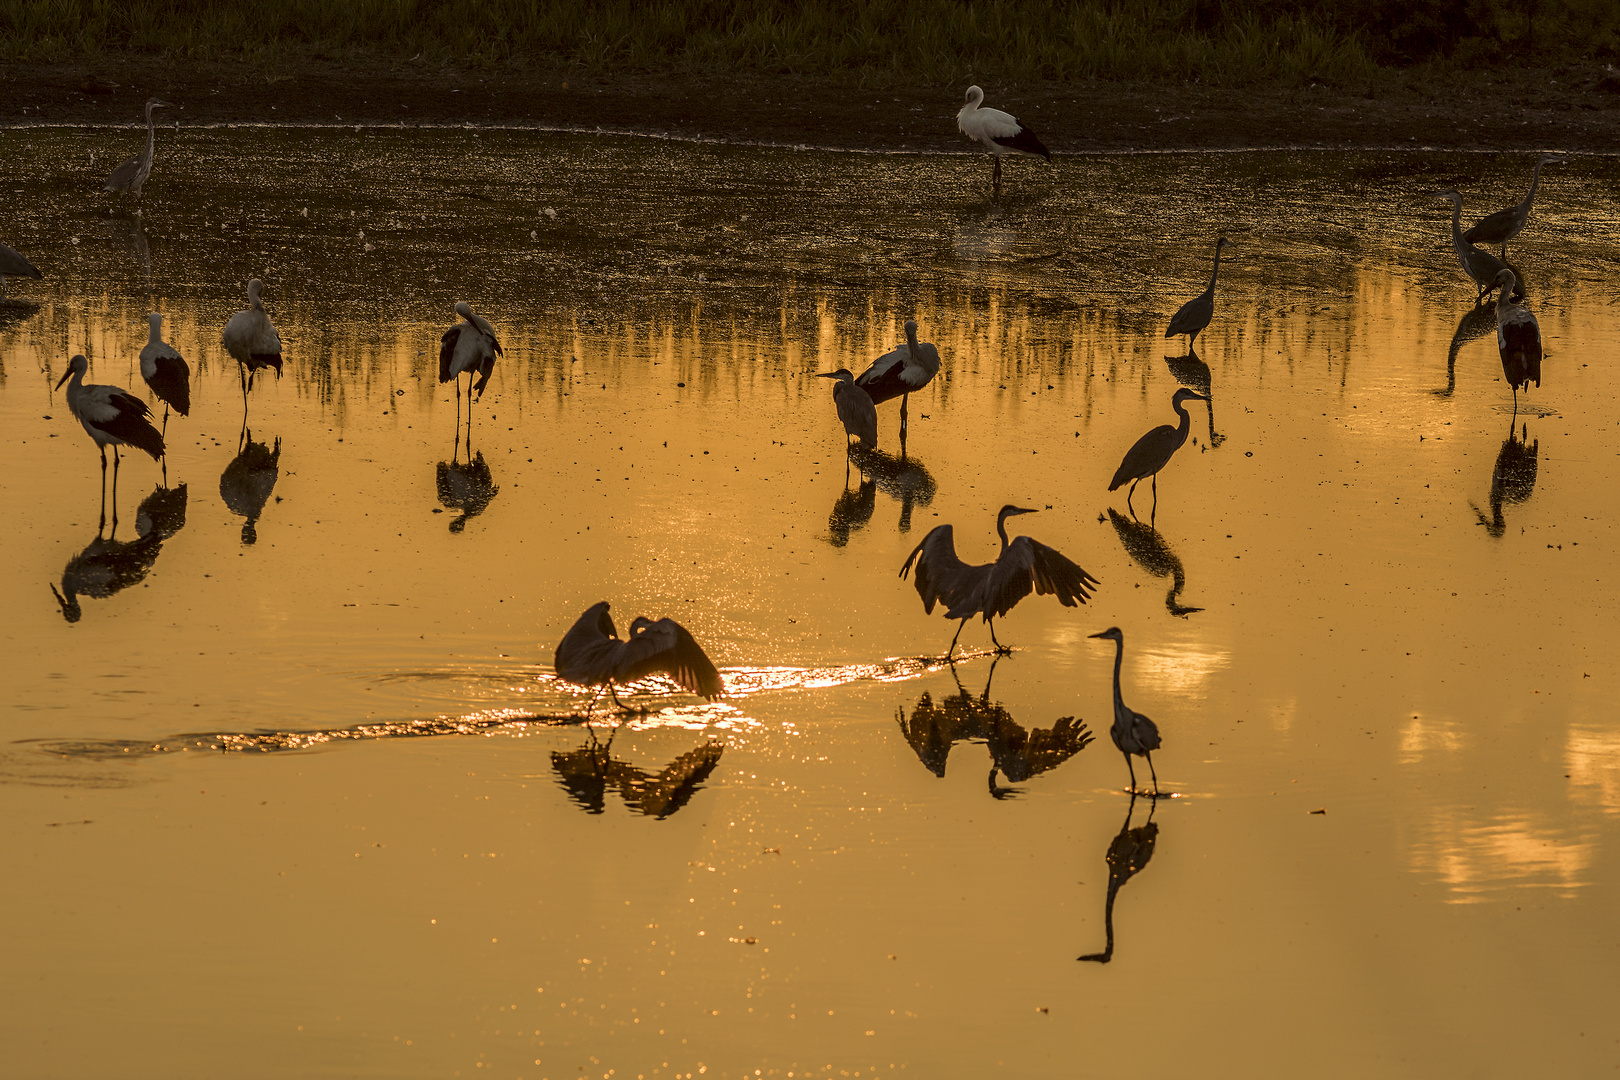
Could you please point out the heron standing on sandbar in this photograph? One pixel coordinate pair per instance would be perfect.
(592, 654)
(251, 338)
(991, 590)
(1196, 313)
(1153, 451)
(112, 416)
(1132, 732)
(998, 132)
(133, 173)
(1504, 225)
(166, 372)
(898, 372)
(855, 408)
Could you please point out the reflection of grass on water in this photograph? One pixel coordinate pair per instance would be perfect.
(1231, 42)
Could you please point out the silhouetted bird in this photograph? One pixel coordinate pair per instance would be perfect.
(1518, 338)
(468, 487)
(592, 654)
(1153, 451)
(166, 372)
(1149, 549)
(1132, 732)
(855, 409)
(1196, 313)
(13, 264)
(898, 372)
(1504, 225)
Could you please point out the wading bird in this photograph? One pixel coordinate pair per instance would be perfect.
(1132, 732)
(1153, 451)
(251, 338)
(855, 408)
(1482, 266)
(166, 372)
(991, 590)
(1518, 336)
(12, 264)
(470, 347)
(999, 132)
(592, 654)
(1196, 313)
(898, 372)
(1504, 225)
(113, 417)
(133, 173)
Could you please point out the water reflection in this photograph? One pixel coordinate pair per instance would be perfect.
(108, 565)
(902, 478)
(1127, 854)
(466, 487)
(1017, 753)
(1476, 322)
(248, 481)
(1192, 372)
(1514, 478)
(586, 774)
(853, 509)
(1148, 548)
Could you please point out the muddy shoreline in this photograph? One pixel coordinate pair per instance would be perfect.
(1575, 111)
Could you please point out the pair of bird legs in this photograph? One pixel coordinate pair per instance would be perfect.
(1153, 514)
(1001, 650)
(1154, 794)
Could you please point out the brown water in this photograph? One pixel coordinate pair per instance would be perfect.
(314, 805)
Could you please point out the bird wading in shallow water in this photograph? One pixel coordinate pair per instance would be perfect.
(166, 372)
(998, 132)
(250, 337)
(991, 590)
(1482, 266)
(898, 372)
(132, 174)
(1196, 313)
(855, 408)
(1153, 451)
(13, 264)
(592, 654)
(1518, 337)
(469, 346)
(1504, 225)
(1132, 732)
(113, 417)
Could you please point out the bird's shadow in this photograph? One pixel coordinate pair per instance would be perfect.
(249, 480)
(1128, 854)
(1476, 322)
(1191, 371)
(465, 487)
(1513, 479)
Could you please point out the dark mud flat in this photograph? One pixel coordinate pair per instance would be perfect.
(1564, 109)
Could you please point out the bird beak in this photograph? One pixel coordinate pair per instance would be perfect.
(1103, 634)
(826, 374)
(64, 378)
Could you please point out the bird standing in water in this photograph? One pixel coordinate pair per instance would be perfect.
(469, 346)
(1518, 337)
(1132, 732)
(132, 174)
(1196, 313)
(592, 654)
(250, 337)
(1482, 266)
(1504, 225)
(998, 132)
(991, 590)
(855, 408)
(166, 372)
(898, 372)
(112, 416)
(1153, 451)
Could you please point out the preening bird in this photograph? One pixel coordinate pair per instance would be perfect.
(166, 372)
(470, 347)
(251, 338)
(1132, 732)
(113, 417)
(592, 654)
(1196, 313)
(1518, 337)
(12, 264)
(1153, 451)
(898, 372)
(1504, 225)
(133, 173)
(999, 132)
(991, 590)
(855, 408)
(1482, 266)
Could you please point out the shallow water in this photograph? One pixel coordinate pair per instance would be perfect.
(316, 804)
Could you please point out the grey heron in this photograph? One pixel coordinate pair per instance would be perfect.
(1132, 732)
(251, 339)
(1023, 566)
(1480, 265)
(469, 346)
(112, 416)
(592, 654)
(165, 371)
(1196, 313)
(248, 481)
(855, 408)
(1504, 225)
(1128, 853)
(1518, 337)
(132, 174)
(898, 372)
(998, 132)
(12, 264)
(1153, 451)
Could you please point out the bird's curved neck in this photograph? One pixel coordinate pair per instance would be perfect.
(151, 132)
(1184, 428)
(1001, 529)
(1214, 270)
(1119, 661)
(1456, 222)
(1535, 182)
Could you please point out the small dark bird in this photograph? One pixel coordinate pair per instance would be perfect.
(1132, 732)
(855, 408)
(999, 132)
(592, 654)
(1153, 451)
(1196, 313)
(991, 590)
(166, 372)
(1518, 337)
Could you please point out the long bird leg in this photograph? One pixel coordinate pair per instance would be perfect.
(1001, 650)
(115, 487)
(1128, 495)
(995, 174)
(103, 524)
(1154, 774)
(953, 640)
(241, 371)
(165, 418)
(1132, 768)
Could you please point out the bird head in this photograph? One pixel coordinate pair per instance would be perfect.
(973, 96)
(69, 605)
(1185, 394)
(78, 365)
(1112, 634)
(1221, 242)
(1449, 195)
(464, 309)
(604, 621)
(156, 321)
(1013, 511)
(254, 288)
(1506, 280)
(842, 374)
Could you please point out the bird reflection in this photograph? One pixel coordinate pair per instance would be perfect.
(587, 773)
(902, 478)
(108, 565)
(1015, 752)
(466, 487)
(1476, 322)
(1147, 546)
(1191, 371)
(1514, 478)
(1129, 852)
(248, 480)
(853, 510)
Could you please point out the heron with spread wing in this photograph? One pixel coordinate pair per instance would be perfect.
(593, 654)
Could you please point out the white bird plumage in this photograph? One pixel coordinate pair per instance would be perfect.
(469, 346)
(998, 132)
(112, 416)
(165, 371)
(251, 339)
(1518, 337)
(898, 372)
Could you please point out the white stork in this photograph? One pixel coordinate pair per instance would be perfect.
(897, 373)
(1518, 337)
(166, 372)
(1000, 132)
(471, 347)
(250, 337)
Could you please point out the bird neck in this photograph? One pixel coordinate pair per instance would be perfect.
(155, 334)
(1456, 222)
(1216, 269)
(151, 132)
(1184, 428)
(1535, 182)
(1119, 660)
(1001, 529)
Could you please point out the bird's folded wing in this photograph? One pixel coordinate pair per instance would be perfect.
(447, 349)
(1030, 565)
(665, 647)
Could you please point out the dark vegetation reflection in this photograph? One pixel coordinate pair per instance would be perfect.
(1148, 548)
(1128, 853)
(1514, 478)
(108, 565)
(588, 772)
(249, 480)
